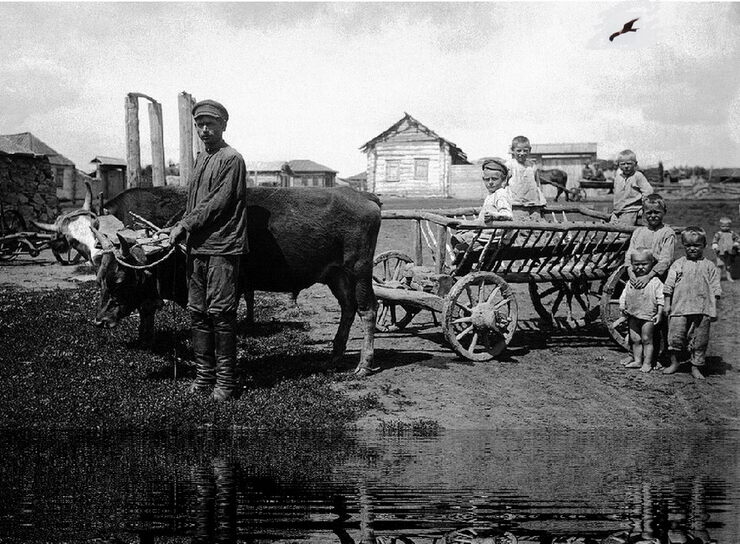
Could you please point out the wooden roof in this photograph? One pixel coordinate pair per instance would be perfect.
(267, 166)
(300, 166)
(8, 147)
(408, 119)
(34, 146)
(108, 161)
(564, 149)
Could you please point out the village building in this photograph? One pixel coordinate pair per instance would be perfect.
(295, 173)
(411, 160)
(68, 181)
(110, 176)
(27, 183)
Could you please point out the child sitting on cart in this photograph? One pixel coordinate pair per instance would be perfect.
(496, 206)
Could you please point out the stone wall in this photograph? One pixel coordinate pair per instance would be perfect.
(27, 185)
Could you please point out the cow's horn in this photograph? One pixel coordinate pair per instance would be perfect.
(105, 242)
(125, 246)
(88, 197)
(48, 227)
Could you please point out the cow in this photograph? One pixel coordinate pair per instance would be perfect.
(558, 179)
(297, 237)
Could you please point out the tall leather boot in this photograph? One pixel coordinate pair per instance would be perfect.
(203, 354)
(227, 382)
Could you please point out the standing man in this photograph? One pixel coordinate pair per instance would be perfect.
(215, 223)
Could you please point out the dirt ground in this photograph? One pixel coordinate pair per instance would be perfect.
(558, 380)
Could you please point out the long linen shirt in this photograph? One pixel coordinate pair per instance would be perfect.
(524, 188)
(497, 203)
(725, 241)
(642, 303)
(693, 287)
(629, 192)
(661, 244)
(216, 212)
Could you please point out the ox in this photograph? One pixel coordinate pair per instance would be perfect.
(158, 204)
(297, 237)
(558, 179)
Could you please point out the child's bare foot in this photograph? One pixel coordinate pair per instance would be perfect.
(646, 368)
(633, 364)
(696, 372)
(626, 361)
(671, 369)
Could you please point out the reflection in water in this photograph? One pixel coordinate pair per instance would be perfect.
(463, 488)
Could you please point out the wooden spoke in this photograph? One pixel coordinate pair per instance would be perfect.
(479, 316)
(611, 315)
(388, 270)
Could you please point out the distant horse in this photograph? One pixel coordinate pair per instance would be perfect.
(558, 179)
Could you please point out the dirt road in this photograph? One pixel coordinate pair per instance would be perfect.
(562, 380)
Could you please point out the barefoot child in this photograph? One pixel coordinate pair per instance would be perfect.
(661, 240)
(643, 307)
(725, 245)
(691, 293)
(525, 191)
(630, 187)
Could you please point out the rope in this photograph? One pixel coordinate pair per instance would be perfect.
(142, 266)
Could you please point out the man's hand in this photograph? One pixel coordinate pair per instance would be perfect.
(174, 233)
(640, 281)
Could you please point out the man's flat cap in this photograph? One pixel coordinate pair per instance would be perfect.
(210, 107)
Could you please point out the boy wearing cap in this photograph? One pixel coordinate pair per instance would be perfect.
(496, 206)
(215, 222)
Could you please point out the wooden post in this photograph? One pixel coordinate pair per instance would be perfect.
(133, 152)
(418, 248)
(184, 105)
(157, 138)
(441, 248)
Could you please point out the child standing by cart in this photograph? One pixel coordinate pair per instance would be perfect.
(643, 307)
(725, 245)
(630, 188)
(691, 292)
(523, 182)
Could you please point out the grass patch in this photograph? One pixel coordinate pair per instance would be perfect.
(59, 371)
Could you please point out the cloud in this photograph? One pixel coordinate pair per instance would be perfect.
(31, 87)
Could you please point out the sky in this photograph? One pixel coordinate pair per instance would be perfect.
(318, 80)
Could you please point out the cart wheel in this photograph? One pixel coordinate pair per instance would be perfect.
(612, 317)
(567, 303)
(67, 257)
(479, 316)
(388, 271)
(12, 223)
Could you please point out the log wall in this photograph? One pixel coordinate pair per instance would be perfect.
(27, 185)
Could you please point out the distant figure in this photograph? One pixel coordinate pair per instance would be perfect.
(587, 173)
(725, 245)
(626, 28)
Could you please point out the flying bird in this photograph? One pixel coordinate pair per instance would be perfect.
(626, 28)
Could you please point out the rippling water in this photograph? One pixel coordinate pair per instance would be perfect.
(458, 487)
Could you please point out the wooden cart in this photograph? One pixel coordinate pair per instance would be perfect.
(15, 239)
(573, 267)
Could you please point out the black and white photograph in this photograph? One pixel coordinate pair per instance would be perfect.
(370, 272)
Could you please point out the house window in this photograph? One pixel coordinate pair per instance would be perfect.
(392, 170)
(421, 169)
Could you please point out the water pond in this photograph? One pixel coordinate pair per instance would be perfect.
(519, 486)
